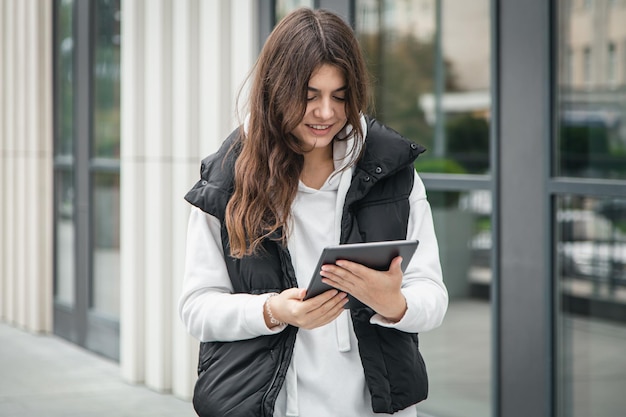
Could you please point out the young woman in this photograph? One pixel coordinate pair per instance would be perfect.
(306, 170)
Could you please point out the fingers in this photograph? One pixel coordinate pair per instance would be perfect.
(376, 289)
(358, 269)
(396, 264)
(344, 275)
(289, 308)
(294, 293)
(326, 312)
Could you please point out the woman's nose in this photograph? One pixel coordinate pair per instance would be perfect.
(324, 110)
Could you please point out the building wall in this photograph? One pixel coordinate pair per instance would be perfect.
(183, 63)
(593, 26)
(26, 164)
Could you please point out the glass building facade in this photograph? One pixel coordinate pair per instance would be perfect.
(432, 83)
(589, 206)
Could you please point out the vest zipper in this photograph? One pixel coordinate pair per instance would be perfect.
(268, 391)
(276, 372)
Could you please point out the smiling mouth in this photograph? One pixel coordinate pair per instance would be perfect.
(320, 127)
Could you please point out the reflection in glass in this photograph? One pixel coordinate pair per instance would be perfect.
(591, 97)
(430, 65)
(432, 80)
(283, 7)
(458, 354)
(611, 70)
(64, 82)
(591, 265)
(106, 244)
(587, 65)
(105, 192)
(106, 80)
(64, 276)
(65, 237)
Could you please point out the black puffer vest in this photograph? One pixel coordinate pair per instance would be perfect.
(243, 378)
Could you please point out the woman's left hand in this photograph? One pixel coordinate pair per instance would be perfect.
(380, 290)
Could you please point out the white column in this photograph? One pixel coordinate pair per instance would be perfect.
(8, 195)
(41, 293)
(181, 69)
(29, 151)
(19, 177)
(214, 77)
(37, 119)
(244, 47)
(3, 163)
(25, 174)
(132, 184)
(157, 193)
(185, 130)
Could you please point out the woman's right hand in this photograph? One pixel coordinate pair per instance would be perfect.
(288, 307)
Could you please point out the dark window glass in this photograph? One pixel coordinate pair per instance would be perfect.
(64, 249)
(591, 98)
(431, 66)
(87, 173)
(459, 362)
(283, 7)
(105, 182)
(64, 83)
(106, 244)
(65, 274)
(106, 79)
(591, 273)
(430, 63)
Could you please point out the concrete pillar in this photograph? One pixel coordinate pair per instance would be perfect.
(39, 218)
(8, 163)
(3, 162)
(185, 138)
(182, 64)
(26, 164)
(132, 183)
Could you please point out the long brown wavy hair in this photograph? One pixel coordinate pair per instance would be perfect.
(268, 168)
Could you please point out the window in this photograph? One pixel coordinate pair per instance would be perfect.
(591, 271)
(283, 7)
(587, 66)
(86, 173)
(568, 76)
(431, 70)
(105, 154)
(64, 283)
(611, 64)
(589, 229)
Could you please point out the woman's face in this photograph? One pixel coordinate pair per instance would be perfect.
(325, 114)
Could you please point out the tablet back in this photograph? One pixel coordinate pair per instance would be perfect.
(375, 255)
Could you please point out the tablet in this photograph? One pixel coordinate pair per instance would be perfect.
(375, 255)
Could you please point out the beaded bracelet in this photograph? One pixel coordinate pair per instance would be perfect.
(269, 311)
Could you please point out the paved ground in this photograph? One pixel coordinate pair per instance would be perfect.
(44, 376)
(459, 360)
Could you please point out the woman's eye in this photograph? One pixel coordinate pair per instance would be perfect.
(338, 98)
